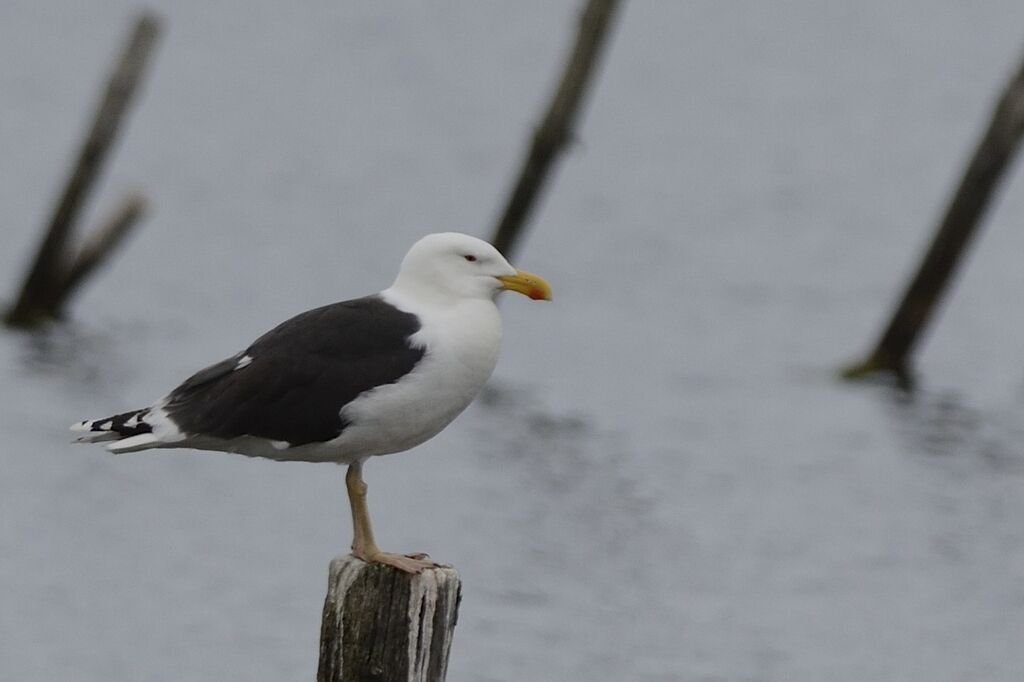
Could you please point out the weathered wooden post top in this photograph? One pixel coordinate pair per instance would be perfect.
(381, 624)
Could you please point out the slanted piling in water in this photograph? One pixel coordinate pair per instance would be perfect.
(57, 270)
(384, 625)
(555, 130)
(981, 178)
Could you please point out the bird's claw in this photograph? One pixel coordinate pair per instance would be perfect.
(409, 563)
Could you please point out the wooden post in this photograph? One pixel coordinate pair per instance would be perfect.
(384, 625)
(556, 129)
(993, 155)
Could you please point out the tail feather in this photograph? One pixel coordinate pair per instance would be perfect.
(143, 441)
(84, 433)
(121, 426)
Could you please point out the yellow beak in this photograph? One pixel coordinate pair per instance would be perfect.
(527, 283)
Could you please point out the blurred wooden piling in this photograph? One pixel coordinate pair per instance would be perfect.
(556, 129)
(384, 625)
(981, 178)
(56, 273)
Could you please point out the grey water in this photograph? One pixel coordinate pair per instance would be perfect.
(665, 480)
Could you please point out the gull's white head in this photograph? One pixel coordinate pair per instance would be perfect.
(454, 265)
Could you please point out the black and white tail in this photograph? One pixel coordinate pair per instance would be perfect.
(129, 431)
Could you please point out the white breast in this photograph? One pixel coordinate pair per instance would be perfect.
(461, 343)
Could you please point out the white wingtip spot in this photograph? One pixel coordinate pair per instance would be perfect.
(89, 436)
(280, 444)
(244, 361)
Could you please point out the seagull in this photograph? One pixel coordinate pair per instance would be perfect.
(347, 381)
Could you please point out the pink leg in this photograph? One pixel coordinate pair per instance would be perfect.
(363, 545)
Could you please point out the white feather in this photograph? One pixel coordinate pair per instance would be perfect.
(143, 441)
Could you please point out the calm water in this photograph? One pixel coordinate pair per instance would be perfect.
(664, 482)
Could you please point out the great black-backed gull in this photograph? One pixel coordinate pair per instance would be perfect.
(348, 381)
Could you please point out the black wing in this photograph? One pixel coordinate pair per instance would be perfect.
(301, 375)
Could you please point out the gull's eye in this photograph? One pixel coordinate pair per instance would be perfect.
(469, 257)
